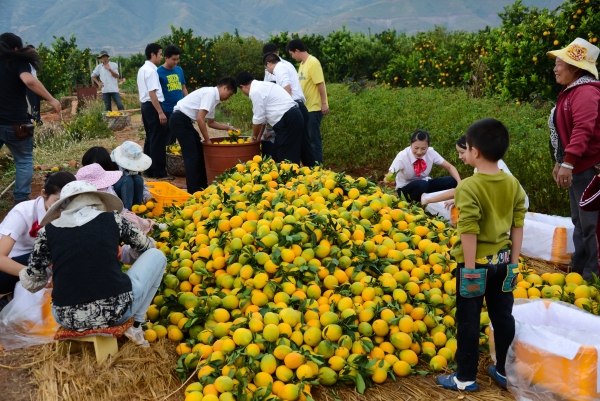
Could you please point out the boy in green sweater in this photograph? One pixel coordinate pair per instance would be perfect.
(491, 204)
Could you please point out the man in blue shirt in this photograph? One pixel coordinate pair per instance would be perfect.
(172, 82)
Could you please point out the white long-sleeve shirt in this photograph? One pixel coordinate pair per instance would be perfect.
(147, 80)
(269, 102)
(285, 74)
(206, 98)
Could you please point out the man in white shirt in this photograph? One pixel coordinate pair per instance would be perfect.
(198, 106)
(153, 117)
(109, 75)
(286, 77)
(273, 105)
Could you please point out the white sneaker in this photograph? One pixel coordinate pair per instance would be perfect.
(136, 334)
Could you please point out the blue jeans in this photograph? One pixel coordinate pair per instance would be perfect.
(130, 188)
(22, 151)
(116, 96)
(145, 275)
(314, 134)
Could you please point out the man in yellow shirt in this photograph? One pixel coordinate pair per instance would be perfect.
(312, 82)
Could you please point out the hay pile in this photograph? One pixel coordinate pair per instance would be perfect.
(542, 266)
(418, 388)
(135, 373)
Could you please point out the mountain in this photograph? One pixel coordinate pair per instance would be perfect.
(127, 26)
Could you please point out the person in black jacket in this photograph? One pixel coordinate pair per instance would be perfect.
(80, 238)
(16, 63)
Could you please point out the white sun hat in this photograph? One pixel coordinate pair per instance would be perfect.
(130, 156)
(580, 53)
(74, 188)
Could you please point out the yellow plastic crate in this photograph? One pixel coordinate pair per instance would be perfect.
(166, 194)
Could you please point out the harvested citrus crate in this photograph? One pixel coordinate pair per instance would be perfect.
(166, 194)
(117, 120)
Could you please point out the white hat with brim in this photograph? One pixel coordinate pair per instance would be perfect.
(74, 188)
(130, 156)
(580, 53)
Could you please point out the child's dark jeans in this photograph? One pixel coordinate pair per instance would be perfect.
(468, 311)
(130, 188)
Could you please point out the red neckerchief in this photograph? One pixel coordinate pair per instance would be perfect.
(34, 229)
(420, 166)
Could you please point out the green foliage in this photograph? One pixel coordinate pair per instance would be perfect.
(86, 124)
(197, 57)
(129, 66)
(368, 130)
(64, 65)
(234, 54)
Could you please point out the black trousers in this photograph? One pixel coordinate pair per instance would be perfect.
(191, 150)
(306, 152)
(8, 281)
(468, 311)
(289, 132)
(170, 133)
(415, 189)
(155, 145)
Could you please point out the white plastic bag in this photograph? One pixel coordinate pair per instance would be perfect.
(437, 208)
(554, 355)
(548, 237)
(27, 319)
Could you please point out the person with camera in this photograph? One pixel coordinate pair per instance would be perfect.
(16, 129)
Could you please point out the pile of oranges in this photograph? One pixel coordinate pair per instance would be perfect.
(282, 277)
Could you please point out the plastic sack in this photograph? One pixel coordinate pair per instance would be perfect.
(27, 320)
(554, 355)
(437, 208)
(548, 237)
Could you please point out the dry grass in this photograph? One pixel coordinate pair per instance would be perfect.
(417, 388)
(135, 373)
(542, 266)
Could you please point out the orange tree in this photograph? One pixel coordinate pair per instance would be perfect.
(197, 58)
(64, 65)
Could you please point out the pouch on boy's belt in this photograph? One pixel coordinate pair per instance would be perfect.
(23, 131)
(512, 275)
(472, 282)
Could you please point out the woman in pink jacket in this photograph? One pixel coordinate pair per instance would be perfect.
(575, 135)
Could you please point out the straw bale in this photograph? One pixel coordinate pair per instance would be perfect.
(135, 373)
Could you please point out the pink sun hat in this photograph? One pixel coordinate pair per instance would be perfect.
(96, 175)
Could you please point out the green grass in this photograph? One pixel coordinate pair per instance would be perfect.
(364, 132)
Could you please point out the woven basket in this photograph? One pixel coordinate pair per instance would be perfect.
(175, 165)
(117, 123)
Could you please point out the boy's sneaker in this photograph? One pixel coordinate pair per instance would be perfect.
(498, 378)
(450, 382)
(136, 334)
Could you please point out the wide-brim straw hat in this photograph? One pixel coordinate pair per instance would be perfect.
(130, 156)
(580, 53)
(74, 188)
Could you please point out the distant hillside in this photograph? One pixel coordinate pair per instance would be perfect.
(127, 26)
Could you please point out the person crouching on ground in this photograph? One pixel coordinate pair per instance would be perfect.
(19, 230)
(413, 165)
(80, 237)
(272, 105)
(491, 204)
(131, 160)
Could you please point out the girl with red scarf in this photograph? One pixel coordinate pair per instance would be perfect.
(19, 230)
(413, 165)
